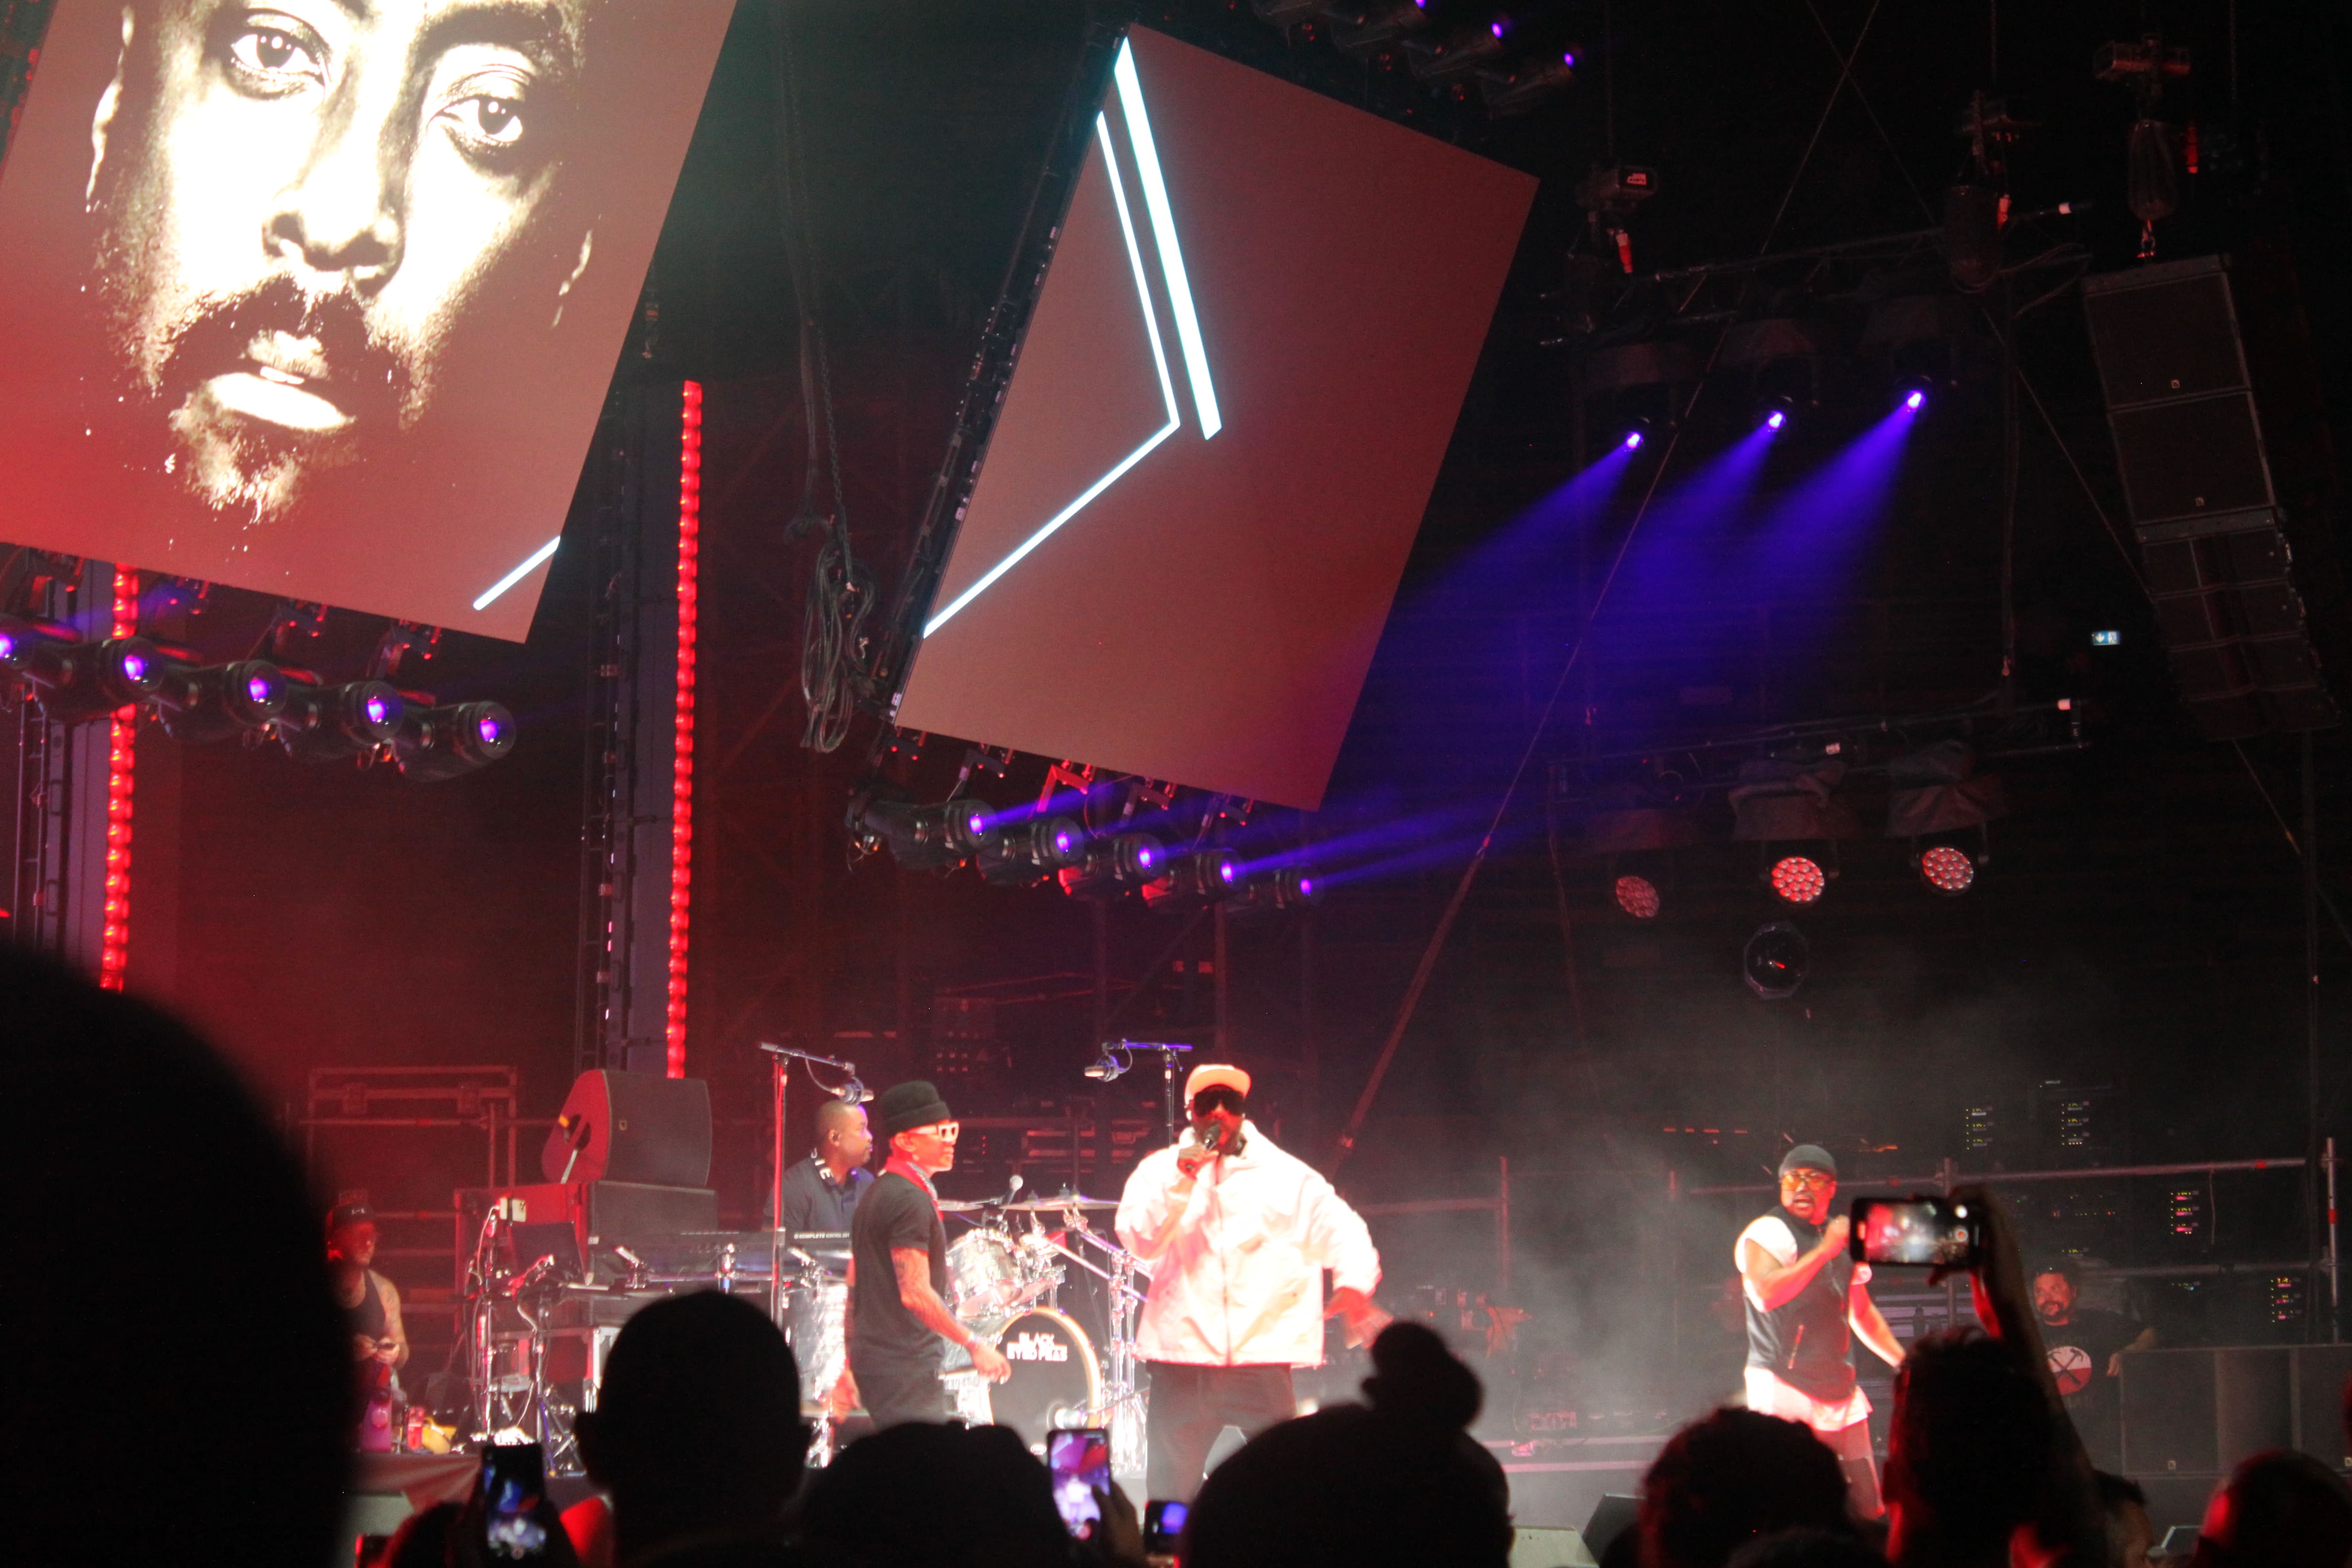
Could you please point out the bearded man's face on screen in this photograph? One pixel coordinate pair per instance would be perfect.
(316, 223)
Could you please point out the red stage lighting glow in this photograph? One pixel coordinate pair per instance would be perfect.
(1947, 869)
(1638, 897)
(122, 734)
(1798, 880)
(681, 807)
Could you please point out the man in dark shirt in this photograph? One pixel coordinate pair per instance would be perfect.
(899, 1324)
(821, 1193)
(2086, 1350)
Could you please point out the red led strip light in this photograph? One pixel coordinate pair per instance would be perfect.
(122, 734)
(681, 788)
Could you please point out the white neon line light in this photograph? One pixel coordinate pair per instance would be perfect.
(1163, 232)
(1167, 395)
(1134, 260)
(1038, 538)
(518, 574)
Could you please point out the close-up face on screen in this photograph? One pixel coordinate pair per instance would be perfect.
(319, 299)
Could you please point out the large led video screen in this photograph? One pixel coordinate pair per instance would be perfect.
(323, 299)
(1230, 406)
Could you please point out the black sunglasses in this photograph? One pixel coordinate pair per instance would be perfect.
(1219, 1097)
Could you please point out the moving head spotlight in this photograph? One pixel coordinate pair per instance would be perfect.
(436, 743)
(1114, 865)
(1287, 888)
(327, 723)
(77, 680)
(1028, 852)
(1202, 877)
(922, 836)
(214, 701)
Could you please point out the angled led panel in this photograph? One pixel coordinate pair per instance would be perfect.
(1230, 403)
(322, 299)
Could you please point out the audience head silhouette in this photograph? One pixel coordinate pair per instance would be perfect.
(235, 1314)
(1722, 1483)
(697, 1431)
(1807, 1549)
(1968, 1449)
(1417, 1380)
(2279, 1510)
(945, 1497)
(1400, 1482)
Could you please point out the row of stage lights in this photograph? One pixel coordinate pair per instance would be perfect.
(1800, 881)
(1023, 848)
(78, 681)
(1779, 412)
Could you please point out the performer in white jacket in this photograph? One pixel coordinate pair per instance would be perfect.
(1236, 1235)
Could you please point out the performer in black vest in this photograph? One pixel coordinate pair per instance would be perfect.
(1806, 1302)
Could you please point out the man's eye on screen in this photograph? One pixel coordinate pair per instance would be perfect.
(278, 55)
(490, 122)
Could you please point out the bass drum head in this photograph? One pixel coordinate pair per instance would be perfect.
(1055, 1381)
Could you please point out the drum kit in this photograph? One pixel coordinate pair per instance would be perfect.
(1005, 1283)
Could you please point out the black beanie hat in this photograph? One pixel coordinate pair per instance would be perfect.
(1809, 1157)
(914, 1103)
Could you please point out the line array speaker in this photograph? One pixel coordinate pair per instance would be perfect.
(2198, 480)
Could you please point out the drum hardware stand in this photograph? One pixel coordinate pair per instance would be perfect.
(1124, 1403)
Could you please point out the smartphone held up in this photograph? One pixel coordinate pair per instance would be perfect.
(513, 1481)
(1078, 1461)
(1920, 1232)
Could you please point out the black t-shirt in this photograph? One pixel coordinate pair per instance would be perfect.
(815, 1201)
(894, 1213)
(2079, 1350)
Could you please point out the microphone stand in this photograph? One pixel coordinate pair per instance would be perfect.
(1166, 1049)
(783, 1056)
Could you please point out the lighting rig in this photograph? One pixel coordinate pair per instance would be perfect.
(77, 682)
(1636, 815)
(1095, 838)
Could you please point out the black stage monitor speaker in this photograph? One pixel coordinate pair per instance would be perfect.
(631, 1127)
(2320, 1373)
(625, 1214)
(2168, 1413)
(2197, 478)
(1612, 1516)
(2198, 1412)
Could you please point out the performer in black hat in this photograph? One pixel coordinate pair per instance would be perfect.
(896, 1237)
(1806, 1301)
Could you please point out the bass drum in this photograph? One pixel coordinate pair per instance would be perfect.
(1055, 1382)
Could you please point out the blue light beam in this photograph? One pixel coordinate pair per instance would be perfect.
(1816, 530)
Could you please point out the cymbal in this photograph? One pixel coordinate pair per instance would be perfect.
(1055, 1205)
(960, 1205)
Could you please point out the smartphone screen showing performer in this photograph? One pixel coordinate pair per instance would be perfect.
(1163, 1526)
(513, 1484)
(1079, 1463)
(1917, 1232)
